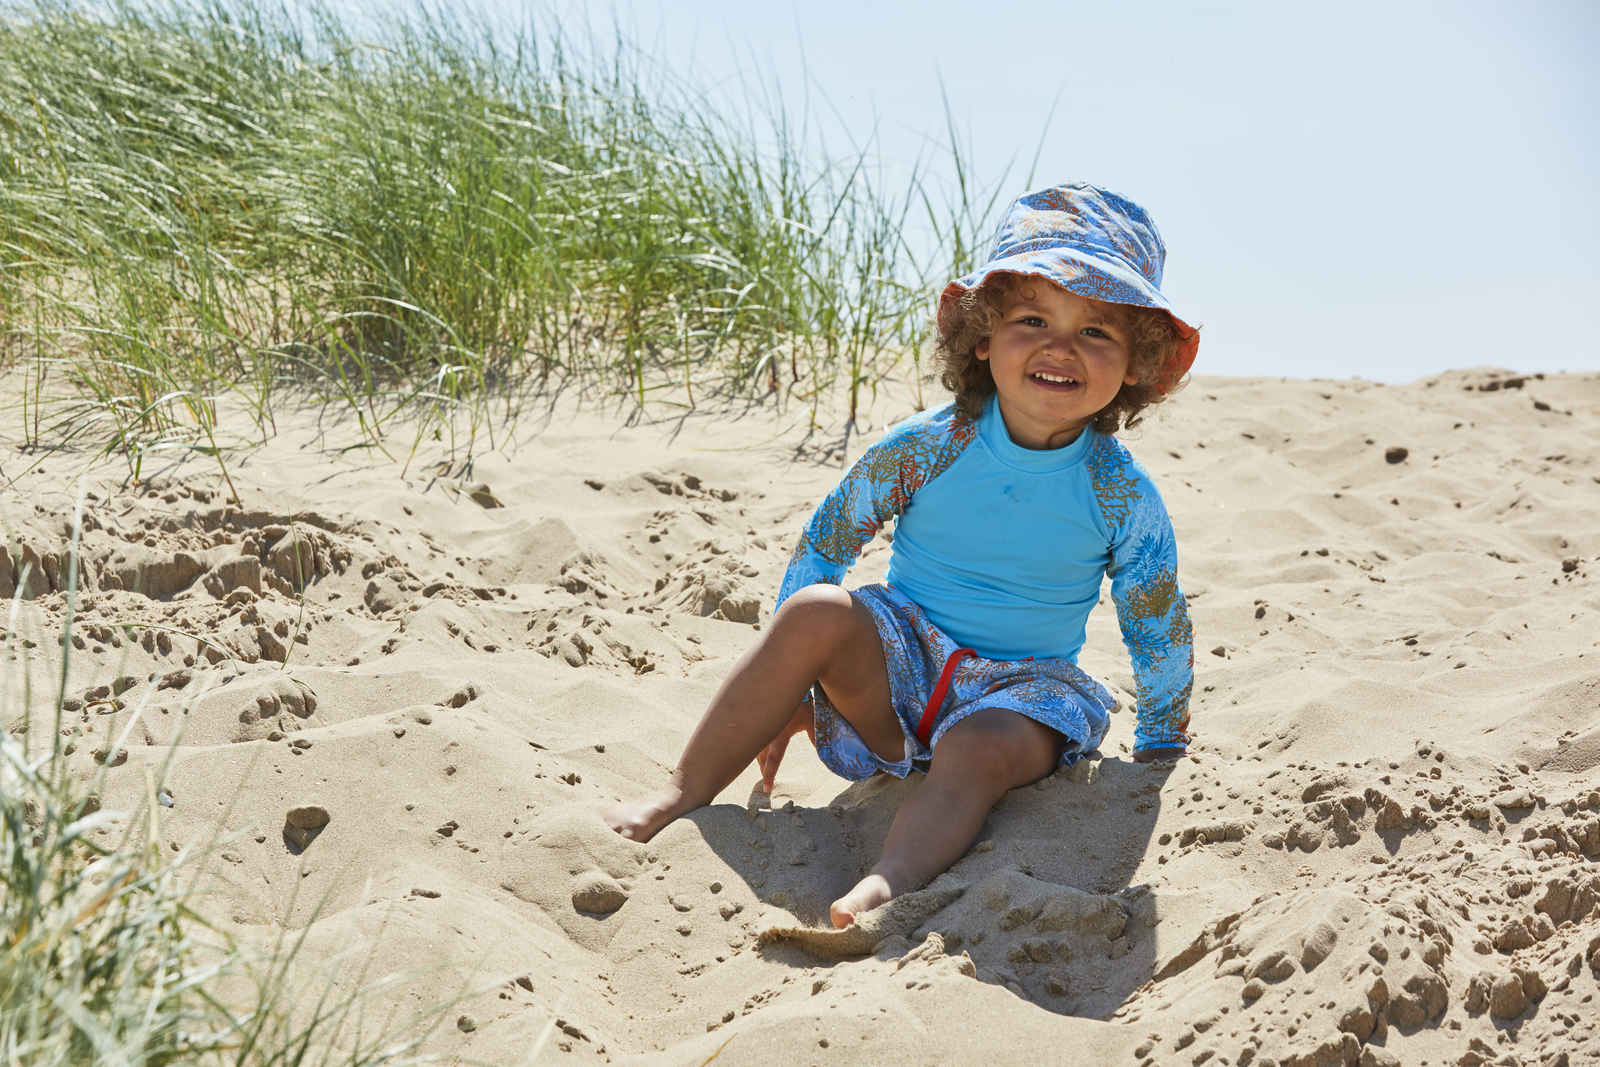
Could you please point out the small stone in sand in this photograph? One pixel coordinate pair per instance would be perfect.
(483, 496)
(302, 824)
(1396, 454)
(308, 817)
(598, 893)
(175, 679)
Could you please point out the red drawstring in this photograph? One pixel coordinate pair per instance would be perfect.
(925, 726)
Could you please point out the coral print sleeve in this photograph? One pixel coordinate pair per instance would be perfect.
(878, 488)
(1151, 610)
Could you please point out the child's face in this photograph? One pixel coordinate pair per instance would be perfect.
(1057, 359)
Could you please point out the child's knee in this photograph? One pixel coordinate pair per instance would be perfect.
(820, 614)
(998, 750)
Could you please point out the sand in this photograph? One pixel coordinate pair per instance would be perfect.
(403, 700)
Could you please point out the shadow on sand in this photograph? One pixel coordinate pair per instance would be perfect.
(1043, 903)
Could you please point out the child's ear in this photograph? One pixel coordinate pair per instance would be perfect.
(982, 349)
(1131, 378)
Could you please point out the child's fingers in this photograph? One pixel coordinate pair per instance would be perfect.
(770, 758)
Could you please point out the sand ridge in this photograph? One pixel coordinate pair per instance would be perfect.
(405, 700)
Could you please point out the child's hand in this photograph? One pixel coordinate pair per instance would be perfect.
(769, 758)
(1151, 755)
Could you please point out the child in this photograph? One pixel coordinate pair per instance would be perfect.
(1012, 503)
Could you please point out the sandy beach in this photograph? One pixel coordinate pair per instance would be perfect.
(1383, 849)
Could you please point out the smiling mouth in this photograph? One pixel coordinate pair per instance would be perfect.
(1055, 381)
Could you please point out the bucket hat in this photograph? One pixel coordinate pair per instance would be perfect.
(1089, 241)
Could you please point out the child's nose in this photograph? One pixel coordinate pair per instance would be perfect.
(1060, 342)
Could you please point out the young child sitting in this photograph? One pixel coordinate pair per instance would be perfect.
(1012, 503)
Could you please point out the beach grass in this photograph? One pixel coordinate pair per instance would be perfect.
(107, 956)
(211, 209)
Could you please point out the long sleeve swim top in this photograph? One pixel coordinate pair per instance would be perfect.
(1005, 548)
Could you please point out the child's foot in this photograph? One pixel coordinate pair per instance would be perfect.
(639, 820)
(868, 893)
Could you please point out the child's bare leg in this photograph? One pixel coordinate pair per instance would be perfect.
(820, 635)
(975, 763)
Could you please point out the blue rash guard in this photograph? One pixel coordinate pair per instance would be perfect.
(1004, 548)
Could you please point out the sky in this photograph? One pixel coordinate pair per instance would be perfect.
(1375, 190)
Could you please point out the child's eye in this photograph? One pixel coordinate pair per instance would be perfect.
(1031, 320)
(1096, 331)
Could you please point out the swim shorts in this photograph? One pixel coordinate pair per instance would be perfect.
(918, 655)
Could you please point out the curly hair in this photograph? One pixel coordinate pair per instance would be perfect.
(1153, 339)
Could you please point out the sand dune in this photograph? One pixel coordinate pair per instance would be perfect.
(1383, 849)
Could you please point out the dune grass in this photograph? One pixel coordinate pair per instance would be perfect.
(217, 207)
(98, 963)
(105, 957)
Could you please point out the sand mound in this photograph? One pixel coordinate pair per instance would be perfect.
(402, 703)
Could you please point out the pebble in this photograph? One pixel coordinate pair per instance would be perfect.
(598, 893)
(302, 824)
(308, 817)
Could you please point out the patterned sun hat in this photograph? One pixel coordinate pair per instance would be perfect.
(1089, 241)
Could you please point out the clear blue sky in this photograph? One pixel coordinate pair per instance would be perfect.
(1381, 190)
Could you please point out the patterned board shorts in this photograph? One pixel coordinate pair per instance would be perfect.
(1053, 692)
